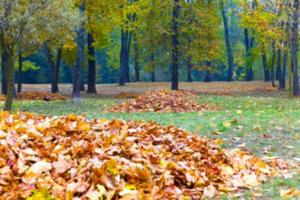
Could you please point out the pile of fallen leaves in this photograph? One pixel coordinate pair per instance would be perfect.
(126, 95)
(235, 88)
(73, 157)
(162, 101)
(46, 96)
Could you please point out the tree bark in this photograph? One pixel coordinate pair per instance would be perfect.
(207, 73)
(20, 71)
(9, 72)
(77, 71)
(265, 66)
(153, 79)
(92, 66)
(54, 85)
(54, 67)
(230, 58)
(294, 48)
(136, 59)
(284, 69)
(248, 46)
(124, 57)
(3, 71)
(279, 69)
(189, 69)
(175, 45)
(82, 83)
(122, 79)
(272, 64)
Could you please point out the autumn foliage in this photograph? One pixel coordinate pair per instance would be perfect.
(72, 157)
(162, 101)
(41, 96)
(126, 95)
(46, 96)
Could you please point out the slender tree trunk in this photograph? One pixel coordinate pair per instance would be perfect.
(272, 64)
(189, 69)
(122, 63)
(285, 58)
(153, 79)
(54, 67)
(284, 69)
(127, 59)
(51, 63)
(279, 69)
(124, 57)
(294, 48)
(92, 66)
(207, 73)
(9, 72)
(3, 71)
(54, 85)
(20, 69)
(136, 59)
(265, 66)
(77, 71)
(175, 45)
(230, 58)
(248, 46)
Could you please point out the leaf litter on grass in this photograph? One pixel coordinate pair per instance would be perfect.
(34, 95)
(162, 101)
(74, 157)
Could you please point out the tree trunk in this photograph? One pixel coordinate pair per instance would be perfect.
(230, 58)
(175, 45)
(9, 71)
(248, 46)
(124, 57)
(122, 63)
(272, 64)
(136, 59)
(189, 69)
(92, 66)
(127, 59)
(54, 67)
(77, 71)
(3, 71)
(153, 79)
(279, 70)
(207, 73)
(54, 85)
(294, 48)
(265, 66)
(82, 83)
(284, 69)
(20, 69)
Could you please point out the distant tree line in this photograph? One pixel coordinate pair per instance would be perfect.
(86, 42)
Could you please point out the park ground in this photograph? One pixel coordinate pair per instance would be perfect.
(252, 116)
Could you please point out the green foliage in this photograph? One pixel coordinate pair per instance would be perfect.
(28, 65)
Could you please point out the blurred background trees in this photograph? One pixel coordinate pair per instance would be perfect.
(120, 41)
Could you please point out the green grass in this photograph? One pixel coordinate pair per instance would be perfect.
(266, 126)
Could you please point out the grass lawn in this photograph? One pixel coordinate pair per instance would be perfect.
(266, 126)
